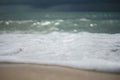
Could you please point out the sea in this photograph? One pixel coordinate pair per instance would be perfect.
(84, 40)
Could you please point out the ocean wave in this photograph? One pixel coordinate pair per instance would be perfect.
(93, 51)
(61, 25)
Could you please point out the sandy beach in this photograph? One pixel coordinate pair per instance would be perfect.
(13, 71)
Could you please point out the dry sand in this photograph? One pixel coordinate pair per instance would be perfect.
(10, 71)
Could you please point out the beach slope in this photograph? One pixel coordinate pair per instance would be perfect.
(12, 71)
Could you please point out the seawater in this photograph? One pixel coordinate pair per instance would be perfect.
(82, 40)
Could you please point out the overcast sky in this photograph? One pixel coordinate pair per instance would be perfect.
(59, 5)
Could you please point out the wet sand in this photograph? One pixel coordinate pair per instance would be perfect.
(13, 71)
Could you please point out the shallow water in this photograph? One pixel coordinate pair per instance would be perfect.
(80, 42)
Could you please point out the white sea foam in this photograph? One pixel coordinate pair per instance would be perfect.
(7, 23)
(92, 25)
(82, 50)
(84, 19)
(45, 23)
(57, 23)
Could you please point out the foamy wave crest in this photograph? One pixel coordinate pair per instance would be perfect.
(61, 25)
(83, 50)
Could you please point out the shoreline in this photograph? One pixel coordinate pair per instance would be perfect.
(31, 71)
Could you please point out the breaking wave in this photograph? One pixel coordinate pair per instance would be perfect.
(61, 25)
(92, 51)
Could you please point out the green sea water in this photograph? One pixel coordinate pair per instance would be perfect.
(95, 22)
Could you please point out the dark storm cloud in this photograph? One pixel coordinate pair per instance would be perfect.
(62, 5)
